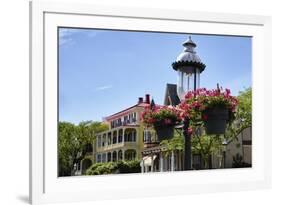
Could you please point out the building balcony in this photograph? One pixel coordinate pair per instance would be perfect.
(116, 146)
(117, 138)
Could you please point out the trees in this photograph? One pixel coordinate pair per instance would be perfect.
(71, 141)
(243, 116)
(68, 147)
(244, 111)
(205, 146)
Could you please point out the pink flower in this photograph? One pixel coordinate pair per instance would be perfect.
(205, 117)
(167, 121)
(227, 91)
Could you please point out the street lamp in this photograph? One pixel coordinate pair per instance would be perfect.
(224, 144)
(188, 66)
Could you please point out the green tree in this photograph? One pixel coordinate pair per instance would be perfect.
(206, 145)
(243, 116)
(244, 111)
(72, 140)
(68, 147)
(86, 131)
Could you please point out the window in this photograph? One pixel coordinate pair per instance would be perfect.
(120, 155)
(103, 140)
(99, 141)
(114, 156)
(147, 136)
(130, 154)
(130, 135)
(119, 122)
(109, 156)
(98, 158)
(88, 148)
(134, 117)
(134, 133)
(104, 157)
(120, 136)
(114, 137)
(125, 120)
(109, 138)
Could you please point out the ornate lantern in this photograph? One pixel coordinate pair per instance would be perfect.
(189, 66)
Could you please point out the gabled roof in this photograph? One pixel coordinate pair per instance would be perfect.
(125, 111)
(171, 95)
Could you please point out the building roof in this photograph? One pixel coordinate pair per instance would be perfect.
(125, 111)
(171, 95)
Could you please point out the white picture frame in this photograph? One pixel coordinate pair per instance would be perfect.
(46, 187)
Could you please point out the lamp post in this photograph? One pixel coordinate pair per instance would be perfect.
(189, 66)
(224, 144)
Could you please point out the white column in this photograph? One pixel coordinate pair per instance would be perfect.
(123, 136)
(80, 167)
(146, 168)
(142, 166)
(165, 164)
(180, 160)
(161, 162)
(173, 161)
(152, 163)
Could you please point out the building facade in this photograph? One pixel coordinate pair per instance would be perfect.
(124, 139)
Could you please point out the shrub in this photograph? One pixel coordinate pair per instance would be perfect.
(114, 167)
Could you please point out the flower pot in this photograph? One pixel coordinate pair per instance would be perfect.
(164, 132)
(215, 120)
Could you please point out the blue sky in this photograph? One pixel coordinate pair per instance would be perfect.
(102, 72)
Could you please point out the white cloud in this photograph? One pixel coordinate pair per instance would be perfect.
(66, 34)
(105, 87)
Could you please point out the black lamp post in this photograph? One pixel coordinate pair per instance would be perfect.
(187, 146)
(189, 66)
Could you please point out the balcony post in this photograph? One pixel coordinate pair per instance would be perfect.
(161, 162)
(152, 163)
(173, 161)
(123, 135)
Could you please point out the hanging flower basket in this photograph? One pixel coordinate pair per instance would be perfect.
(215, 120)
(164, 132)
(214, 108)
(163, 119)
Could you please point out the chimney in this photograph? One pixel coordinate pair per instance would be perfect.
(140, 100)
(147, 99)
